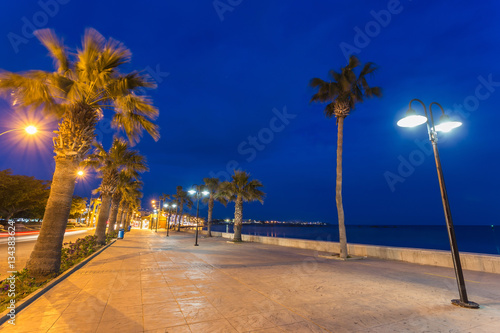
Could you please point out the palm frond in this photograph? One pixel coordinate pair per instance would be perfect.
(56, 48)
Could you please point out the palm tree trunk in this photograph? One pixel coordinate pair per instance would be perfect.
(119, 215)
(115, 202)
(100, 229)
(127, 220)
(180, 219)
(338, 190)
(238, 218)
(210, 212)
(175, 217)
(45, 258)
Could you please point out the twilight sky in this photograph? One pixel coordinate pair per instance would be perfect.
(233, 92)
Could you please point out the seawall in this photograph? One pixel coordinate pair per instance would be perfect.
(472, 261)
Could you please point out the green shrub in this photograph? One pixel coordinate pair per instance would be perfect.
(24, 285)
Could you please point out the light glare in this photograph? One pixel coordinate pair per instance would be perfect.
(447, 126)
(412, 121)
(31, 129)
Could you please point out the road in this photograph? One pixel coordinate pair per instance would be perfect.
(24, 246)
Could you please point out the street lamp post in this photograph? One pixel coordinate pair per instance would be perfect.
(153, 203)
(445, 125)
(197, 191)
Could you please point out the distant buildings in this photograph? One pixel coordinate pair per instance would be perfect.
(270, 222)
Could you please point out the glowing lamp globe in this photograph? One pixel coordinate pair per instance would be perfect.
(411, 119)
(446, 124)
(31, 130)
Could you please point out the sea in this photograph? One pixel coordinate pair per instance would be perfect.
(476, 239)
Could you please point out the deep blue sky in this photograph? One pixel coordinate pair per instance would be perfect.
(228, 71)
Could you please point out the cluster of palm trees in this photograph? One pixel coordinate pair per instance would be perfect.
(120, 188)
(85, 83)
(240, 189)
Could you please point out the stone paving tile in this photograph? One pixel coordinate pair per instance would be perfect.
(80, 324)
(121, 325)
(303, 326)
(250, 323)
(31, 324)
(213, 326)
(162, 319)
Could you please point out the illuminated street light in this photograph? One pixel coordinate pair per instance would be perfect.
(30, 130)
(445, 125)
(198, 192)
(80, 173)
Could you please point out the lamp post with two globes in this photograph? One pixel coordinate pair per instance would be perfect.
(197, 191)
(445, 124)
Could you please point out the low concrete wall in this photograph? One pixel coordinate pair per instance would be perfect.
(472, 261)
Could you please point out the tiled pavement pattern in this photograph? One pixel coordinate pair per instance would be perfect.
(150, 283)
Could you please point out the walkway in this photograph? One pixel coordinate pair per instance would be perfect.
(150, 283)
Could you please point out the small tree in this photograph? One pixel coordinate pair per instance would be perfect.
(241, 189)
(212, 185)
(21, 194)
(182, 199)
(78, 206)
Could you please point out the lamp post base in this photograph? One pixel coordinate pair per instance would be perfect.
(469, 305)
(196, 245)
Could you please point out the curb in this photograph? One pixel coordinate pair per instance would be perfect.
(37, 293)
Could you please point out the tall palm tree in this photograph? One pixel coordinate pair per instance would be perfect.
(342, 94)
(84, 83)
(109, 164)
(241, 189)
(182, 199)
(212, 185)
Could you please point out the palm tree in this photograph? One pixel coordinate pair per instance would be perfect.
(241, 189)
(163, 199)
(125, 184)
(212, 185)
(83, 84)
(182, 199)
(342, 94)
(109, 164)
(130, 202)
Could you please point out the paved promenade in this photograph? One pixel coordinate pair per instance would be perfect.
(150, 283)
